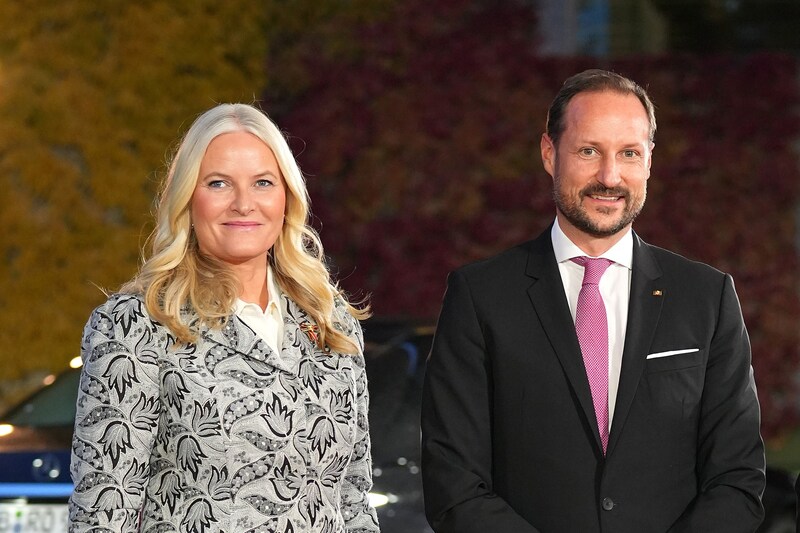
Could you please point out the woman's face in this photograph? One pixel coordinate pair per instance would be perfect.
(238, 203)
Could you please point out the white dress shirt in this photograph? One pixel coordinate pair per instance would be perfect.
(267, 323)
(615, 288)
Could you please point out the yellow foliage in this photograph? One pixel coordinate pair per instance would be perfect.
(93, 97)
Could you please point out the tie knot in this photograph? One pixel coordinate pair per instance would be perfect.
(593, 268)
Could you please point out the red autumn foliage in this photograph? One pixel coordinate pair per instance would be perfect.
(422, 154)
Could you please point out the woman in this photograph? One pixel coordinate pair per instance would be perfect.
(224, 389)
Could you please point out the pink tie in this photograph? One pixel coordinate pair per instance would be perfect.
(591, 324)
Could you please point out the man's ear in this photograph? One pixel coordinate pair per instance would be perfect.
(548, 149)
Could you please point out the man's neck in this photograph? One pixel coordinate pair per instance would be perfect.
(592, 245)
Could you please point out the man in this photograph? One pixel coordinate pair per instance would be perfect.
(570, 394)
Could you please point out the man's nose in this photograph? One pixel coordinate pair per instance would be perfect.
(609, 173)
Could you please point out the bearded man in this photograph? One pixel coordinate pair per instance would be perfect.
(587, 381)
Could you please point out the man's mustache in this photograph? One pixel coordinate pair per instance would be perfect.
(599, 190)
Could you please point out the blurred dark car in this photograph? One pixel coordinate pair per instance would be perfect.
(396, 354)
(35, 438)
(35, 441)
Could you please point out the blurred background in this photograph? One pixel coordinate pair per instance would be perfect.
(417, 125)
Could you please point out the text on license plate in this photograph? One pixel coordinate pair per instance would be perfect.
(33, 517)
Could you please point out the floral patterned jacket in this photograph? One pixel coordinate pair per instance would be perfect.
(220, 436)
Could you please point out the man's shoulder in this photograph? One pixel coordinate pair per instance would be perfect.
(508, 261)
(677, 265)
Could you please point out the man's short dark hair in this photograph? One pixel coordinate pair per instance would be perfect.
(595, 80)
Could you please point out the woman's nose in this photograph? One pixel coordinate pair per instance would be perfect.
(242, 202)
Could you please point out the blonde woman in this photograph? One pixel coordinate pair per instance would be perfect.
(223, 388)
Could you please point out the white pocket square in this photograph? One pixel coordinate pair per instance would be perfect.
(671, 353)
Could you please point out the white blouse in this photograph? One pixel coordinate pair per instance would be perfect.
(268, 323)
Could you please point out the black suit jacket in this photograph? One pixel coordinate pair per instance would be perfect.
(509, 436)
(797, 505)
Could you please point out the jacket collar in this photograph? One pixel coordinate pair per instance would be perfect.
(235, 338)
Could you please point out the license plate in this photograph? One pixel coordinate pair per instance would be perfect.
(33, 517)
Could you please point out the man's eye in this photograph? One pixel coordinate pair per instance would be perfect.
(630, 153)
(588, 151)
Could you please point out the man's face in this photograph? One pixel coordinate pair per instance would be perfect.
(600, 165)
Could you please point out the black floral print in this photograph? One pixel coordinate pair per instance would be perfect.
(222, 436)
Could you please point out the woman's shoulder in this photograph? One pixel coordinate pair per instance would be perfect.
(122, 303)
(120, 313)
(343, 317)
(347, 323)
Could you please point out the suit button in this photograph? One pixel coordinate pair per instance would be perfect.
(608, 504)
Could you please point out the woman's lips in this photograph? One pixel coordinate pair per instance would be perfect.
(242, 225)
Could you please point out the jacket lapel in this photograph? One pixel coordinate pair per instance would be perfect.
(236, 338)
(550, 303)
(644, 310)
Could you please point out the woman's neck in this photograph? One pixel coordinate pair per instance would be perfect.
(253, 281)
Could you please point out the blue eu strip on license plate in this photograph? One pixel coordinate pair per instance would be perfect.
(26, 517)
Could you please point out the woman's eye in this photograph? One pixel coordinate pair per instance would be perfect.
(215, 184)
(263, 183)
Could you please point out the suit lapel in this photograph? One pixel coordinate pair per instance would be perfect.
(238, 337)
(550, 303)
(644, 310)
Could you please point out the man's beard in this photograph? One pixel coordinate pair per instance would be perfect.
(576, 214)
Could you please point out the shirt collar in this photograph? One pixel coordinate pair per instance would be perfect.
(621, 253)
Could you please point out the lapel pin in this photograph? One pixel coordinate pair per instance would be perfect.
(312, 330)
(657, 292)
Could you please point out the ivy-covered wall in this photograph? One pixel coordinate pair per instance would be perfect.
(421, 143)
(418, 126)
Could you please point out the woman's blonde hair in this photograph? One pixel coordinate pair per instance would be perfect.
(176, 274)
